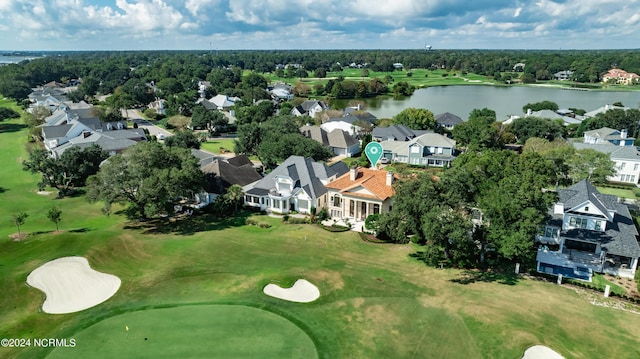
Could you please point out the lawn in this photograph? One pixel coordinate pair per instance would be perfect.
(419, 77)
(376, 300)
(196, 331)
(214, 146)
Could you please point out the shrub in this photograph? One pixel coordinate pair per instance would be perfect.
(285, 218)
(335, 228)
(264, 225)
(294, 220)
(251, 222)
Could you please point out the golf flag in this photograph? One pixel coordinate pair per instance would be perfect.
(126, 327)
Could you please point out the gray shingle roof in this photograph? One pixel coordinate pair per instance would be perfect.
(336, 138)
(51, 132)
(448, 118)
(305, 172)
(620, 237)
(615, 152)
(396, 132)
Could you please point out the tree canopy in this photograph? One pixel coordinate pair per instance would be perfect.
(67, 172)
(416, 118)
(148, 178)
(488, 202)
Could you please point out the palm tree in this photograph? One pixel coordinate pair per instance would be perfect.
(234, 195)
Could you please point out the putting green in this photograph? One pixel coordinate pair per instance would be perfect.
(206, 331)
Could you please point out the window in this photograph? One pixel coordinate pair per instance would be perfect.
(632, 179)
(598, 225)
(337, 201)
(352, 207)
(586, 208)
(622, 165)
(635, 167)
(376, 208)
(578, 222)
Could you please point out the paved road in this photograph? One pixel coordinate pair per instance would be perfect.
(136, 117)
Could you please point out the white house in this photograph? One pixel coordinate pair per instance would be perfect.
(606, 135)
(310, 108)
(298, 184)
(625, 158)
(588, 232)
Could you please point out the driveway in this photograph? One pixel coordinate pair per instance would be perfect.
(136, 117)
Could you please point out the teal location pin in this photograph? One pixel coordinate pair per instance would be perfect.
(373, 152)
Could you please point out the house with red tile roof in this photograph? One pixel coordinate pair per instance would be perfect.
(618, 76)
(360, 193)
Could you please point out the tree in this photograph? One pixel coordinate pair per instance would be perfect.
(234, 196)
(19, 219)
(183, 139)
(539, 106)
(480, 132)
(211, 120)
(67, 172)
(8, 113)
(402, 88)
(148, 178)
(527, 127)
(277, 147)
(590, 164)
(320, 72)
(416, 118)
(54, 214)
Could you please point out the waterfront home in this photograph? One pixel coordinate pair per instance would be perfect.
(309, 108)
(395, 133)
(606, 135)
(588, 232)
(430, 149)
(621, 77)
(448, 120)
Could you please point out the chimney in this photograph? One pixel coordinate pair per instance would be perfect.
(389, 178)
(623, 133)
(353, 173)
(529, 112)
(359, 107)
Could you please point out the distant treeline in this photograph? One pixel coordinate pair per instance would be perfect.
(112, 68)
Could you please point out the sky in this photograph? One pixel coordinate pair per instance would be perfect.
(317, 24)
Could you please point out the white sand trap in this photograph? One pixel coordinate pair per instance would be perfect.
(70, 285)
(541, 352)
(301, 292)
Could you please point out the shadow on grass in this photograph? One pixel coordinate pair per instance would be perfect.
(189, 225)
(473, 276)
(3, 190)
(12, 127)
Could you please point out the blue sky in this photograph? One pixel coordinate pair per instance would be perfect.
(317, 24)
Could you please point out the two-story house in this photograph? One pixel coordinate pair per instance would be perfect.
(606, 135)
(429, 149)
(360, 193)
(626, 160)
(298, 184)
(588, 232)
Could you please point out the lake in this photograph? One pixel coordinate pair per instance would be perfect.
(460, 100)
(15, 59)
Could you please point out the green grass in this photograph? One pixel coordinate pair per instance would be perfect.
(376, 301)
(419, 78)
(206, 331)
(622, 193)
(213, 146)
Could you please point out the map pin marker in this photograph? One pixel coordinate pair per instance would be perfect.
(373, 152)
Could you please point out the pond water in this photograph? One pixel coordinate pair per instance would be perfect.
(460, 100)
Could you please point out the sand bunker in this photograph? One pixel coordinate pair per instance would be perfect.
(70, 285)
(541, 352)
(301, 292)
